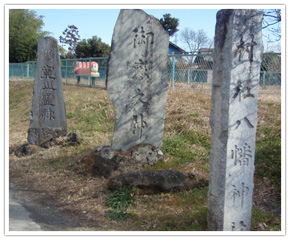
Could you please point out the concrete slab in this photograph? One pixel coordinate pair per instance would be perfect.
(19, 219)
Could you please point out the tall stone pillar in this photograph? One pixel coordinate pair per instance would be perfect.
(237, 58)
(48, 114)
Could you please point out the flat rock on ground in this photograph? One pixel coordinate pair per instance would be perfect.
(158, 180)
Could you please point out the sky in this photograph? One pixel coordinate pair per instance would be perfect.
(100, 22)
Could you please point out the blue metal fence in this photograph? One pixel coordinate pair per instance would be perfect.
(192, 71)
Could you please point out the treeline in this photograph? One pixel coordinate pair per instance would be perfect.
(25, 29)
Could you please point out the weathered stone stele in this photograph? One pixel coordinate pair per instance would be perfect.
(48, 114)
(137, 79)
(237, 57)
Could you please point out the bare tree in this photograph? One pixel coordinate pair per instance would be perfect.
(194, 40)
(272, 21)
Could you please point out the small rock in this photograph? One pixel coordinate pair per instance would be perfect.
(160, 153)
(72, 139)
(108, 153)
(101, 163)
(25, 150)
(261, 226)
(46, 144)
(145, 153)
(59, 139)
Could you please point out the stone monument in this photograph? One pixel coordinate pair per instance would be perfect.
(237, 57)
(137, 79)
(48, 114)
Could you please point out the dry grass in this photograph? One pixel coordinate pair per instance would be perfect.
(60, 172)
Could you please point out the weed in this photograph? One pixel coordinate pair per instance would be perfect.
(268, 145)
(121, 198)
(266, 219)
(119, 201)
(196, 115)
(117, 215)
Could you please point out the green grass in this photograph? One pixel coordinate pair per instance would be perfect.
(181, 211)
(121, 198)
(119, 201)
(259, 217)
(20, 103)
(90, 117)
(186, 145)
(268, 147)
(117, 215)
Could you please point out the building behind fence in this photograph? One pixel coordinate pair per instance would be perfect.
(193, 71)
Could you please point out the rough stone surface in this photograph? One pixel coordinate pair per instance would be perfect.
(237, 57)
(70, 139)
(48, 114)
(157, 180)
(104, 160)
(146, 154)
(138, 79)
(25, 150)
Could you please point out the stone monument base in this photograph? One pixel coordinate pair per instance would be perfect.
(39, 136)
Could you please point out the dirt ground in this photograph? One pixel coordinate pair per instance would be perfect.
(53, 209)
(53, 216)
(45, 212)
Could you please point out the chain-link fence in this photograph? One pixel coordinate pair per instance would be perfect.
(26, 71)
(193, 71)
(69, 77)
(196, 72)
